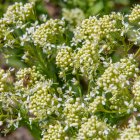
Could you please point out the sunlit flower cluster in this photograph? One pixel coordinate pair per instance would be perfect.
(64, 58)
(55, 132)
(70, 78)
(18, 13)
(8, 101)
(94, 129)
(74, 112)
(132, 132)
(136, 92)
(27, 77)
(2, 30)
(4, 78)
(49, 32)
(112, 90)
(134, 19)
(87, 59)
(135, 14)
(115, 77)
(43, 100)
(97, 104)
(96, 29)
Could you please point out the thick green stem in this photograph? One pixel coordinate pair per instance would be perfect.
(108, 111)
(138, 51)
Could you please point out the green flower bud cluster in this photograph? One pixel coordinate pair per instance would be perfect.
(11, 101)
(55, 132)
(1, 81)
(97, 91)
(74, 112)
(9, 117)
(136, 92)
(94, 129)
(4, 78)
(114, 86)
(135, 14)
(64, 58)
(3, 30)
(86, 31)
(132, 132)
(49, 32)
(74, 17)
(95, 29)
(134, 36)
(27, 77)
(121, 101)
(115, 77)
(43, 101)
(134, 19)
(87, 59)
(97, 104)
(18, 13)
(110, 24)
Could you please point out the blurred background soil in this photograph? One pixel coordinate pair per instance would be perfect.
(19, 134)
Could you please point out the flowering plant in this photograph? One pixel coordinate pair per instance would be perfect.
(78, 78)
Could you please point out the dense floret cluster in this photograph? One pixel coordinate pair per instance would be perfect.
(64, 58)
(73, 112)
(18, 13)
(96, 29)
(136, 91)
(71, 78)
(135, 14)
(27, 77)
(49, 32)
(43, 101)
(132, 132)
(2, 30)
(3, 80)
(87, 59)
(55, 132)
(115, 78)
(94, 129)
